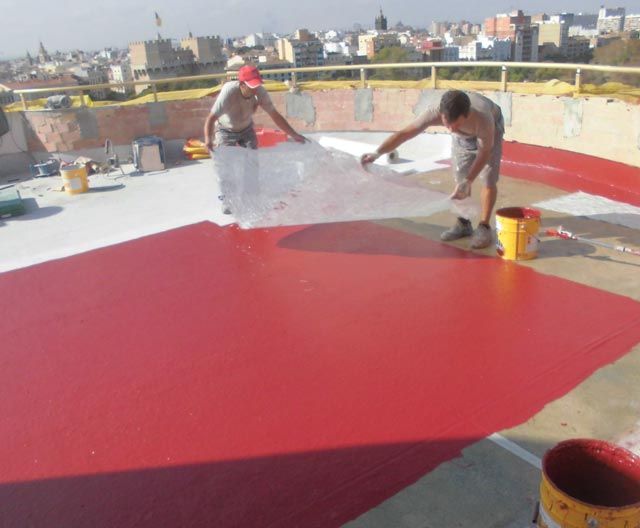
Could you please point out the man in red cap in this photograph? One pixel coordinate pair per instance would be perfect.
(232, 113)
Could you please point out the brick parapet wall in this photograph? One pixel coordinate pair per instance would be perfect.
(597, 126)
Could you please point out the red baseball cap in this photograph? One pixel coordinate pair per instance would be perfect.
(250, 75)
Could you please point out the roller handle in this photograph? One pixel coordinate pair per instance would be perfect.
(560, 233)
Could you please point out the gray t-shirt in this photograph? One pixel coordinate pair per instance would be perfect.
(234, 111)
(483, 120)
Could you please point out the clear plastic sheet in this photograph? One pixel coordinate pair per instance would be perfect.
(295, 184)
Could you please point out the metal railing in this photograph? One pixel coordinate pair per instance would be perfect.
(362, 68)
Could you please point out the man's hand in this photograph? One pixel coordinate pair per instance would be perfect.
(462, 190)
(369, 158)
(299, 138)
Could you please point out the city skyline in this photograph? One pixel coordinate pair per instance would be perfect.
(78, 26)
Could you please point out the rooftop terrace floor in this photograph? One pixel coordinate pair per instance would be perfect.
(161, 369)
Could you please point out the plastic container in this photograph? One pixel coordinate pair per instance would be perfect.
(269, 137)
(10, 203)
(517, 229)
(74, 178)
(589, 484)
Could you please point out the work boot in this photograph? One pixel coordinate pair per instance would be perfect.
(460, 230)
(482, 237)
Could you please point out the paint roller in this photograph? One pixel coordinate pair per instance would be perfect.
(568, 235)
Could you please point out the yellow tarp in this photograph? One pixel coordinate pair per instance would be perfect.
(552, 87)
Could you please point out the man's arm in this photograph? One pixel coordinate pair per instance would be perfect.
(284, 125)
(398, 138)
(208, 130)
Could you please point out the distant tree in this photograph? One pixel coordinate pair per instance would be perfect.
(245, 49)
(617, 53)
(477, 73)
(391, 55)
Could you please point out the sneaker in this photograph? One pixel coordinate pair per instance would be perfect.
(482, 237)
(460, 230)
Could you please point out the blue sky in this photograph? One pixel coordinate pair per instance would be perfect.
(85, 25)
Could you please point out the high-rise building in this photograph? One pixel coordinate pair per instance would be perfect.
(503, 25)
(566, 18)
(92, 75)
(632, 23)
(525, 44)
(554, 36)
(119, 73)
(486, 48)
(303, 35)
(578, 46)
(438, 28)
(372, 43)
(301, 53)
(585, 21)
(267, 40)
(517, 27)
(611, 20)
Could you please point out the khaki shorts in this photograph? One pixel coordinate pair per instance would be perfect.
(245, 138)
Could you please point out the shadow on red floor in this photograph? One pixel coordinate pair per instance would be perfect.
(279, 491)
(367, 238)
(213, 376)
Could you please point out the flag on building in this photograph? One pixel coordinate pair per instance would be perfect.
(158, 19)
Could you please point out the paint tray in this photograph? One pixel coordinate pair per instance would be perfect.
(10, 203)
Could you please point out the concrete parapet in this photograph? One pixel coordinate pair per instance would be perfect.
(601, 127)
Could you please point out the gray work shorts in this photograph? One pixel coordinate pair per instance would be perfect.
(245, 138)
(465, 150)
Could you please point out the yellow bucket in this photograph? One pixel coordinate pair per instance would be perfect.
(589, 484)
(517, 229)
(74, 178)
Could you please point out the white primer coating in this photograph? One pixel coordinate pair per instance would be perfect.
(121, 208)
